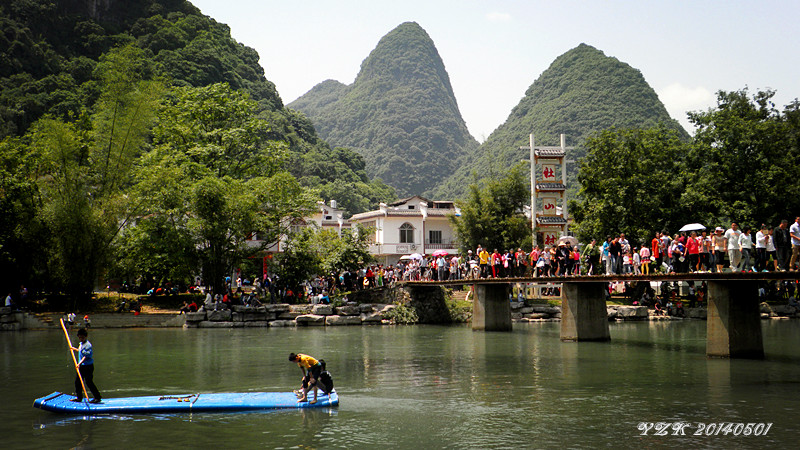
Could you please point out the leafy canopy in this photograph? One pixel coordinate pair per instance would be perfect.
(493, 214)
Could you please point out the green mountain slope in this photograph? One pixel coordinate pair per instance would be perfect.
(582, 92)
(400, 113)
(48, 52)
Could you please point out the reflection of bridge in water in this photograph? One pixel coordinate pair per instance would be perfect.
(734, 320)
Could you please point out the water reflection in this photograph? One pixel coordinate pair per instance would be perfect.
(420, 386)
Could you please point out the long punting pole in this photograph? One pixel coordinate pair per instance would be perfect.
(75, 361)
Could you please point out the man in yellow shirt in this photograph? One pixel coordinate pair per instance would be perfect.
(483, 259)
(311, 369)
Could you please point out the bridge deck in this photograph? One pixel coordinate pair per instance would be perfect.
(723, 276)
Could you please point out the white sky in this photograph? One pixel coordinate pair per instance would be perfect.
(494, 50)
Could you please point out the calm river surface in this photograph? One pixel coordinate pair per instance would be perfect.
(413, 387)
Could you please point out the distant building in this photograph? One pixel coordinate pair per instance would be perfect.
(411, 225)
(329, 217)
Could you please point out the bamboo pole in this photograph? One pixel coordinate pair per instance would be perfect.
(75, 361)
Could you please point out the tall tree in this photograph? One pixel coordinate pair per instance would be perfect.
(321, 252)
(744, 154)
(215, 175)
(493, 215)
(85, 169)
(631, 181)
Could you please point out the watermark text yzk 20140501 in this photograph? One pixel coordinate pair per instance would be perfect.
(703, 428)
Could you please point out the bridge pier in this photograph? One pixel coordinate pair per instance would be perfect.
(734, 322)
(491, 310)
(583, 312)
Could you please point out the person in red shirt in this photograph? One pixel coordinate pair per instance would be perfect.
(655, 245)
(693, 250)
(497, 263)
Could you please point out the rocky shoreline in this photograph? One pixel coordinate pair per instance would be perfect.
(285, 315)
(351, 314)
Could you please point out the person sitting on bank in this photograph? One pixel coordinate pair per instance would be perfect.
(188, 307)
(85, 368)
(311, 369)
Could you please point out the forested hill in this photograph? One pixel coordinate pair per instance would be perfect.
(582, 92)
(49, 51)
(400, 113)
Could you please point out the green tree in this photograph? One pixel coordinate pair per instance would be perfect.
(22, 249)
(744, 153)
(493, 215)
(85, 169)
(631, 181)
(215, 174)
(337, 254)
(157, 251)
(321, 252)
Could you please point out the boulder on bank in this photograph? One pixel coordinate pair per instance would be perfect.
(371, 318)
(627, 312)
(196, 316)
(697, 313)
(219, 316)
(310, 320)
(322, 310)
(277, 307)
(547, 309)
(784, 310)
(350, 310)
(342, 320)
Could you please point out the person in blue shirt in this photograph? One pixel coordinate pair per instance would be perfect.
(86, 368)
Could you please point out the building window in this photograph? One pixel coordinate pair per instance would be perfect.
(435, 236)
(406, 234)
(410, 206)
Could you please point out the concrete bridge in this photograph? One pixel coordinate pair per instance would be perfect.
(734, 321)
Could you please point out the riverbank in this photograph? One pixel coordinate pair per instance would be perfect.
(352, 314)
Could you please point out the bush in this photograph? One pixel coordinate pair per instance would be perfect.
(460, 311)
(402, 314)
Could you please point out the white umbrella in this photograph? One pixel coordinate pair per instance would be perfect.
(571, 240)
(692, 227)
(405, 257)
(415, 256)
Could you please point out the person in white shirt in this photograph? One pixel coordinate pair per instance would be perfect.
(772, 252)
(732, 241)
(794, 232)
(761, 248)
(746, 247)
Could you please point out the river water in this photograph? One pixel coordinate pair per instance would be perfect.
(413, 387)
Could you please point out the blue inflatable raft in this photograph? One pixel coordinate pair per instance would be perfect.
(221, 402)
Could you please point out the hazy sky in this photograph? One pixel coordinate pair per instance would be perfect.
(494, 50)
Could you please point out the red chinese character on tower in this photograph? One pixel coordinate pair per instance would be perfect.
(548, 206)
(549, 239)
(548, 173)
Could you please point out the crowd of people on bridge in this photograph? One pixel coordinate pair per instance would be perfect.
(735, 249)
(732, 249)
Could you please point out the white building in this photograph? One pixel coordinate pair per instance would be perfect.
(329, 217)
(411, 225)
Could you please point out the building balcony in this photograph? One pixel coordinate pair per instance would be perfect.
(405, 248)
(444, 244)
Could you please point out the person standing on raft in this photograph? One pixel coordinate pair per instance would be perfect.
(85, 368)
(311, 370)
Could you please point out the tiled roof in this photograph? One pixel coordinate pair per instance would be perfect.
(403, 213)
(551, 220)
(406, 200)
(549, 151)
(550, 186)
